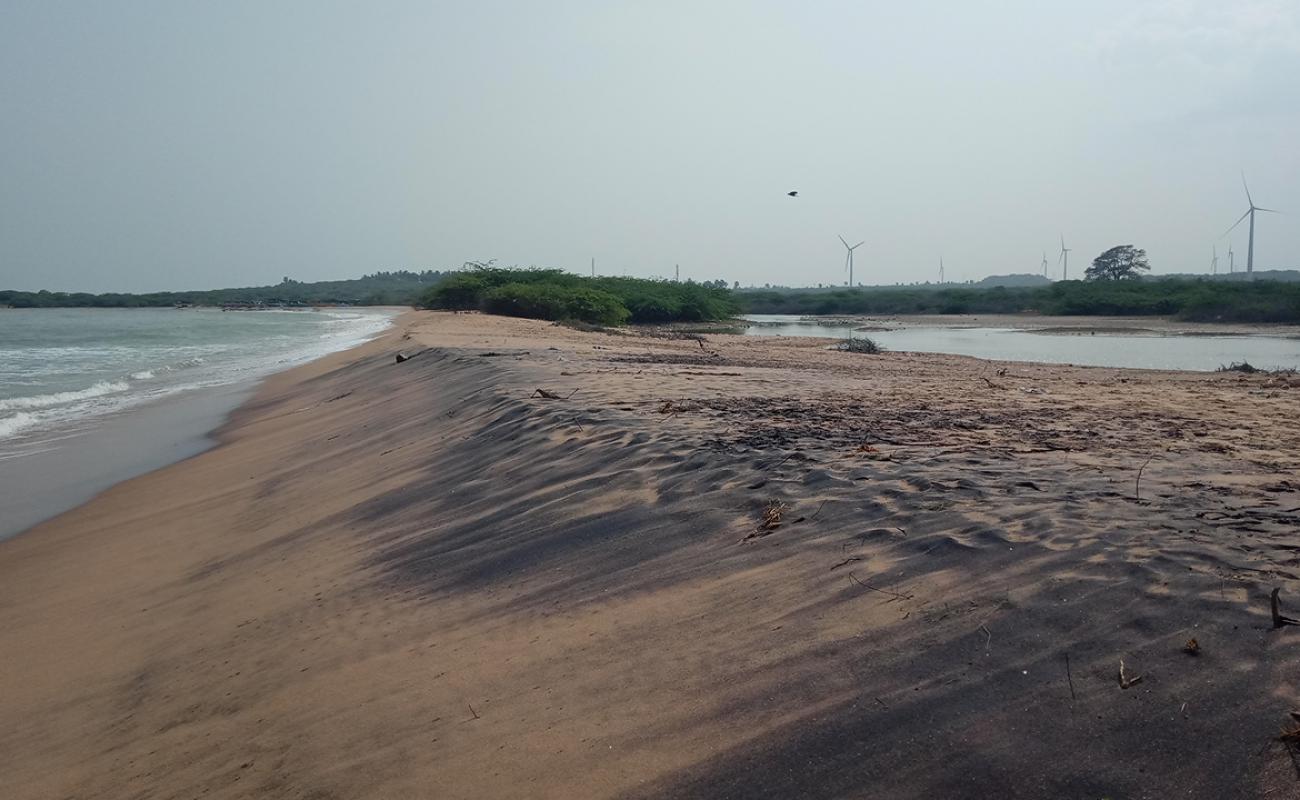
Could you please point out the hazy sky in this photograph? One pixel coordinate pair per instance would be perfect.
(173, 145)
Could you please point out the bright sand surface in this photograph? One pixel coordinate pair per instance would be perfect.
(420, 580)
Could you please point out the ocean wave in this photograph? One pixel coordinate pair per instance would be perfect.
(99, 389)
(17, 423)
(154, 372)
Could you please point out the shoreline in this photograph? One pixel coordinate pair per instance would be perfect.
(1038, 323)
(42, 485)
(422, 579)
(122, 445)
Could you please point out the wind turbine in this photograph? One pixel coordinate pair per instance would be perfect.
(1064, 260)
(1232, 261)
(940, 269)
(1214, 262)
(1250, 212)
(848, 259)
(1044, 263)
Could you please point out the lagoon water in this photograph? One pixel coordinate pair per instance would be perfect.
(1154, 351)
(90, 397)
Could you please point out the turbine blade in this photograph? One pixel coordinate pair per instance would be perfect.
(1061, 257)
(1238, 222)
(846, 244)
(1247, 188)
(1269, 210)
(859, 244)
(1063, 241)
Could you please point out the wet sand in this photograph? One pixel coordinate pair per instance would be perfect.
(424, 580)
(79, 466)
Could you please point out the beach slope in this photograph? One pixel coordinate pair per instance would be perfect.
(720, 567)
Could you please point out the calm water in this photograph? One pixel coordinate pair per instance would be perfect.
(64, 370)
(1203, 353)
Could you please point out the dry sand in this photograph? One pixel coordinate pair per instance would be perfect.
(421, 581)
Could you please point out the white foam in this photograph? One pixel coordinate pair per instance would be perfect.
(98, 389)
(38, 419)
(16, 423)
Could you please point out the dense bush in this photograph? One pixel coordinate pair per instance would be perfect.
(558, 295)
(555, 302)
(458, 293)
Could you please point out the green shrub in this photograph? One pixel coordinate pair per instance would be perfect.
(549, 301)
(557, 295)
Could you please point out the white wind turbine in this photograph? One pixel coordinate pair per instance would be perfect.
(1232, 260)
(1044, 263)
(848, 259)
(1214, 262)
(1064, 260)
(940, 269)
(1250, 212)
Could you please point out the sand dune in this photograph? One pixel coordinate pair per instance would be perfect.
(423, 580)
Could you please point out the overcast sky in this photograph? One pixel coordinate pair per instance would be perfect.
(175, 145)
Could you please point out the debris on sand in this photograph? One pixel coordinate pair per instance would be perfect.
(769, 520)
(673, 407)
(1276, 607)
(548, 395)
(772, 515)
(863, 344)
(1192, 647)
(1125, 681)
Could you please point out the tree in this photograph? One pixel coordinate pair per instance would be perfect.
(1118, 263)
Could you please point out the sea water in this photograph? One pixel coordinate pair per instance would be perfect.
(91, 397)
(62, 371)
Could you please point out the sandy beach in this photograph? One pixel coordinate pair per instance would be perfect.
(734, 567)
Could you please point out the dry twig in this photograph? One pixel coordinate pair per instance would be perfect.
(548, 395)
(1137, 484)
(892, 595)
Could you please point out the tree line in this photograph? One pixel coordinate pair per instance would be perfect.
(393, 288)
(554, 294)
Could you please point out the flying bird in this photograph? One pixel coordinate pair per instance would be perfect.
(792, 194)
